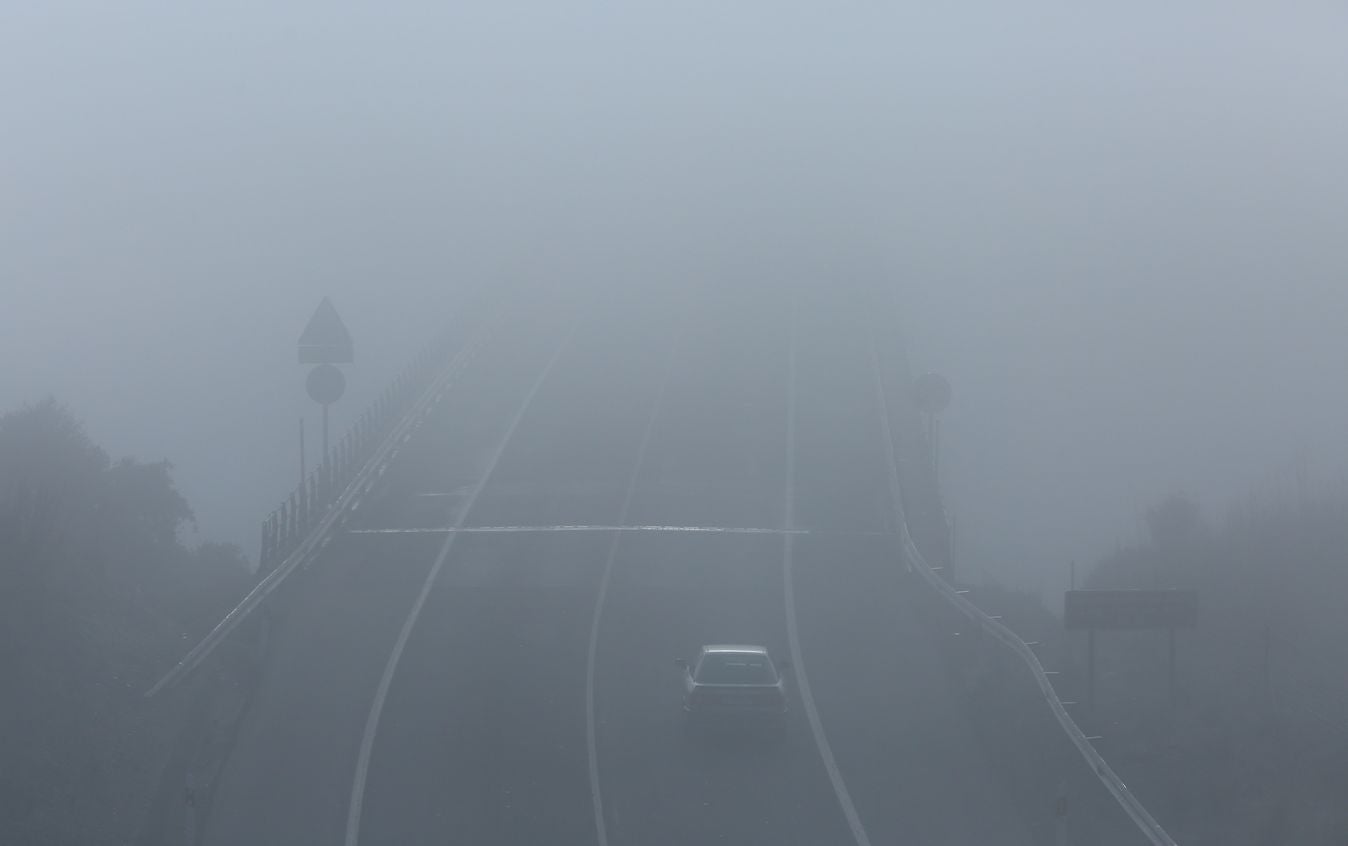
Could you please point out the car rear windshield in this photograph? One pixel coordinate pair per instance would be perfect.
(734, 668)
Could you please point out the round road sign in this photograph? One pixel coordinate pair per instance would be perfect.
(325, 384)
(933, 393)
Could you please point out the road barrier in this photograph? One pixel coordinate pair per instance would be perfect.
(303, 524)
(287, 527)
(1139, 815)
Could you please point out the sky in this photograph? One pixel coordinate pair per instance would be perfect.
(1118, 231)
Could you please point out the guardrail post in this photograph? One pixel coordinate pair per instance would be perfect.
(298, 508)
(291, 520)
(265, 553)
(274, 532)
(1174, 695)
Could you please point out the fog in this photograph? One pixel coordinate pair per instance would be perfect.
(1120, 233)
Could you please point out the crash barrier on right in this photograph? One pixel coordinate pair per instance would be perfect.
(1006, 688)
(1060, 794)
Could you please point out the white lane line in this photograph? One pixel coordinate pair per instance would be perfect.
(591, 732)
(391, 666)
(469, 530)
(793, 634)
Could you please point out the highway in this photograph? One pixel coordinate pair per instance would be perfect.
(482, 658)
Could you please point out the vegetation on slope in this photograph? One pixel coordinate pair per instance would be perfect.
(1253, 749)
(98, 594)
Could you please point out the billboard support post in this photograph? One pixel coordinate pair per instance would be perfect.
(1127, 610)
(1090, 670)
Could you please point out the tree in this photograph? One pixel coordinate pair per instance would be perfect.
(45, 461)
(97, 595)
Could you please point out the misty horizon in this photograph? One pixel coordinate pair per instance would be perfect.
(1130, 266)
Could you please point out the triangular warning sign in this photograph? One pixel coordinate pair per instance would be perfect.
(325, 340)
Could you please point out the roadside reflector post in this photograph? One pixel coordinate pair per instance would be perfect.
(1268, 679)
(1060, 816)
(1173, 695)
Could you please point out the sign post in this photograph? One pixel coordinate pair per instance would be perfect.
(1090, 670)
(1121, 610)
(326, 343)
(1173, 694)
(325, 385)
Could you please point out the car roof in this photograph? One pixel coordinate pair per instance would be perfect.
(741, 648)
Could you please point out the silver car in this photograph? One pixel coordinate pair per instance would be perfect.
(731, 680)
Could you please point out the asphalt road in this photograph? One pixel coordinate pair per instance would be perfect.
(517, 686)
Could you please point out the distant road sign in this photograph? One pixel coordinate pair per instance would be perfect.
(933, 393)
(325, 339)
(1130, 609)
(325, 384)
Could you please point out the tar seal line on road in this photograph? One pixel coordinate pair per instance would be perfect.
(377, 706)
(793, 635)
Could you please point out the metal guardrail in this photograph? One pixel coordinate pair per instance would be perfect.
(1111, 781)
(297, 530)
(286, 527)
